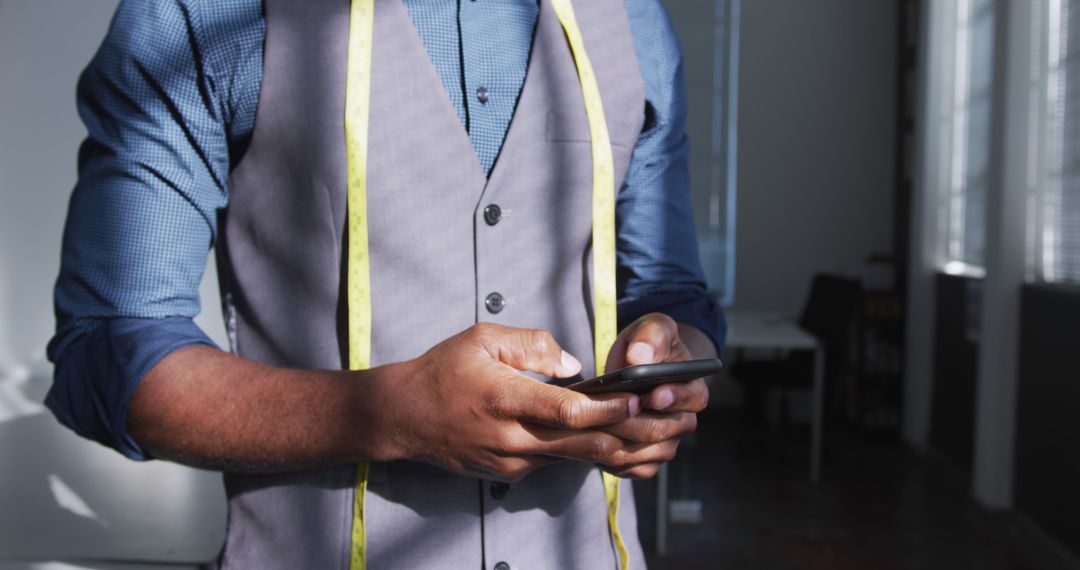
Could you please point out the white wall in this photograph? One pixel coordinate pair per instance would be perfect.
(816, 144)
(44, 45)
(41, 56)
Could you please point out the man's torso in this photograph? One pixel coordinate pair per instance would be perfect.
(434, 262)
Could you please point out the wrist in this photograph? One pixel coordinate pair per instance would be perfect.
(375, 428)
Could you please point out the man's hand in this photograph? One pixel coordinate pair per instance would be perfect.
(465, 406)
(670, 410)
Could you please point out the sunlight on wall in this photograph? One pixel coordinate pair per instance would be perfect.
(14, 402)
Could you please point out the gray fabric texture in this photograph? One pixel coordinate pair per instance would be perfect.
(433, 262)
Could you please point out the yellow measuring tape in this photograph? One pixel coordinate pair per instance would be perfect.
(358, 280)
(605, 327)
(358, 286)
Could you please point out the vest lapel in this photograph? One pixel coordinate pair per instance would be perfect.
(533, 105)
(398, 48)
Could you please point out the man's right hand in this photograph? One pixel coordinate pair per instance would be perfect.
(465, 406)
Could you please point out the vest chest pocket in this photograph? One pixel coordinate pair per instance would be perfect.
(574, 127)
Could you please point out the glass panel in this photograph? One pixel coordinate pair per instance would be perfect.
(713, 123)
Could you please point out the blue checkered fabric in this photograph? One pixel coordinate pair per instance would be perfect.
(484, 68)
(169, 104)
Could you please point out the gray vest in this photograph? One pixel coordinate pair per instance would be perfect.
(434, 260)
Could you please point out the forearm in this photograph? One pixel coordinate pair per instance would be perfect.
(203, 407)
(462, 406)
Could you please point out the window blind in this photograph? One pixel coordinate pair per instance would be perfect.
(1059, 231)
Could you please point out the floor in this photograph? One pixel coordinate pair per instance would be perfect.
(878, 506)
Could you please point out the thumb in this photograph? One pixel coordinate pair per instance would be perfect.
(530, 349)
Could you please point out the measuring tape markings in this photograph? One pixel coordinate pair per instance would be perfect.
(358, 267)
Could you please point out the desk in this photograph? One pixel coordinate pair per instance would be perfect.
(763, 331)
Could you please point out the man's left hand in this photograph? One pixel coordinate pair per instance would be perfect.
(669, 411)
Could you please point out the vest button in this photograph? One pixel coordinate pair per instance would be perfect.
(502, 566)
(492, 214)
(495, 303)
(499, 490)
(482, 94)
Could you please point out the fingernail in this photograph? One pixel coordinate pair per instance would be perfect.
(640, 352)
(635, 405)
(568, 365)
(664, 398)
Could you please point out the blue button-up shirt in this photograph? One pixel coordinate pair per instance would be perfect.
(169, 103)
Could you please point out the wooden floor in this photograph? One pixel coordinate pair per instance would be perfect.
(878, 507)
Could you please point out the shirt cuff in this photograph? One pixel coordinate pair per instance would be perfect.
(97, 374)
(691, 307)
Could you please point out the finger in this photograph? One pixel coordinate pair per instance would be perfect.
(642, 471)
(600, 448)
(650, 427)
(638, 454)
(581, 445)
(651, 340)
(692, 396)
(512, 469)
(527, 349)
(558, 407)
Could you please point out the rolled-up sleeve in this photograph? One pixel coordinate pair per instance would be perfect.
(659, 269)
(141, 219)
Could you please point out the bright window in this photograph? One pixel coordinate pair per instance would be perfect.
(966, 124)
(1054, 231)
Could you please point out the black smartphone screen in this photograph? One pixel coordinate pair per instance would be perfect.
(641, 378)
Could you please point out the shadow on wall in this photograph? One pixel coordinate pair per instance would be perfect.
(55, 484)
(40, 483)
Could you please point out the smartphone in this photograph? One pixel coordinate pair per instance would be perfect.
(641, 378)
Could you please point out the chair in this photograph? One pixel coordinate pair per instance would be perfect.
(830, 313)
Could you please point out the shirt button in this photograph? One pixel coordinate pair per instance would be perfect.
(502, 566)
(499, 490)
(495, 303)
(492, 214)
(482, 94)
